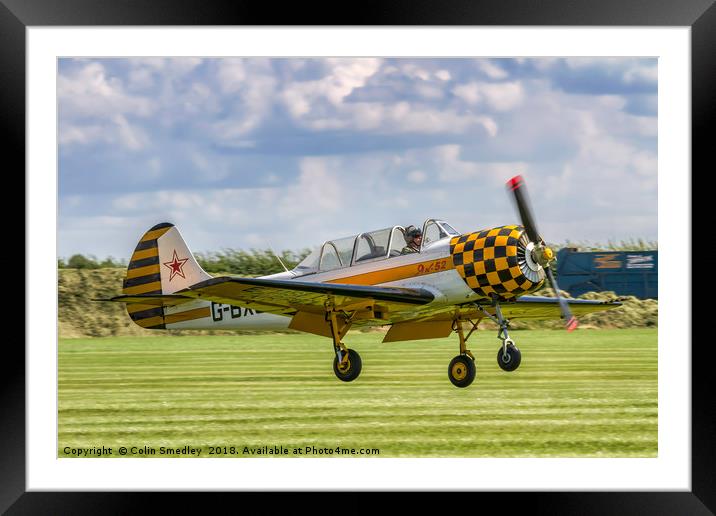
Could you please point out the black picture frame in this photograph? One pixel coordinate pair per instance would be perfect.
(700, 15)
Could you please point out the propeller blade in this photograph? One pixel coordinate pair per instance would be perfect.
(517, 186)
(571, 321)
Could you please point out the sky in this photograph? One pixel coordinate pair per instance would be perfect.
(287, 153)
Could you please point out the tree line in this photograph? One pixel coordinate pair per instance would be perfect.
(259, 262)
(232, 261)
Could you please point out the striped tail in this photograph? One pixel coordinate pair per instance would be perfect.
(161, 264)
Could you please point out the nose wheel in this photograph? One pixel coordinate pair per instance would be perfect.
(508, 356)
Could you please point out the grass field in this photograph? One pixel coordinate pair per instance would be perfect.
(592, 393)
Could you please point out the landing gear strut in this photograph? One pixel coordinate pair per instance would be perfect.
(462, 369)
(347, 363)
(508, 356)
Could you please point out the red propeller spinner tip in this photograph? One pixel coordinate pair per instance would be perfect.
(515, 182)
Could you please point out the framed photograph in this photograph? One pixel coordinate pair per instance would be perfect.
(286, 137)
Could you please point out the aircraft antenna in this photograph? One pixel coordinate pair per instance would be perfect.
(280, 261)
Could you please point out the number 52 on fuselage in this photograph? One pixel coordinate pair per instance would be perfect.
(453, 282)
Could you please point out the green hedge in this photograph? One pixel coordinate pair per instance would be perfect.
(259, 262)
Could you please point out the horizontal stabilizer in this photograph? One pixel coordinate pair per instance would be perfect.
(150, 299)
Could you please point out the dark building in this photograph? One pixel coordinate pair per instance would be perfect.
(628, 273)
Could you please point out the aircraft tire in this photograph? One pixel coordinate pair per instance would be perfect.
(352, 370)
(462, 370)
(511, 361)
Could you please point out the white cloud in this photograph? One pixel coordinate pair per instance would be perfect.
(154, 63)
(468, 92)
(320, 105)
(417, 176)
(94, 107)
(200, 100)
(633, 70)
(141, 78)
(641, 74)
(445, 162)
(133, 138)
(413, 71)
(612, 101)
(503, 96)
(231, 74)
(400, 117)
(429, 91)
(544, 64)
(607, 172)
(249, 86)
(318, 189)
(406, 118)
(343, 77)
(73, 134)
(167, 65)
(491, 69)
(208, 170)
(500, 96)
(577, 63)
(489, 124)
(113, 131)
(452, 169)
(183, 65)
(645, 164)
(90, 92)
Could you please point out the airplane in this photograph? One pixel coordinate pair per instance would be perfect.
(453, 282)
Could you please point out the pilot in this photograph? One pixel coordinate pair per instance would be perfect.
(414, 237)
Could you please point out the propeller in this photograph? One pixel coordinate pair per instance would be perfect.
(541, 253)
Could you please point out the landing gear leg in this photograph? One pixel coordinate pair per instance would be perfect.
(347, 363)
(462, 370)
(508, 356)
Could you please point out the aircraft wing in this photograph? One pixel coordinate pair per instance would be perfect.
(538, 307)
(525, 307)
(289, 296)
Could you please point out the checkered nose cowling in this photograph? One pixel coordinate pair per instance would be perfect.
(496, 261)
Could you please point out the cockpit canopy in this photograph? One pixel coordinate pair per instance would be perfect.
(368, 247)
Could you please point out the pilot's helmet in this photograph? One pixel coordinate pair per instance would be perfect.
(412, 232)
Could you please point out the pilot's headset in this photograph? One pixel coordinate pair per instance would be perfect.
(412, 232)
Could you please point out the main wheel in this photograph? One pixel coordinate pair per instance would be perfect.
(461, 371)
(351, 369)
(510, 360)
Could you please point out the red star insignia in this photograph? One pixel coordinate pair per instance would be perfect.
(176, 266)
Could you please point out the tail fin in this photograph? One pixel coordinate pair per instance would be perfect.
(161, 264)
